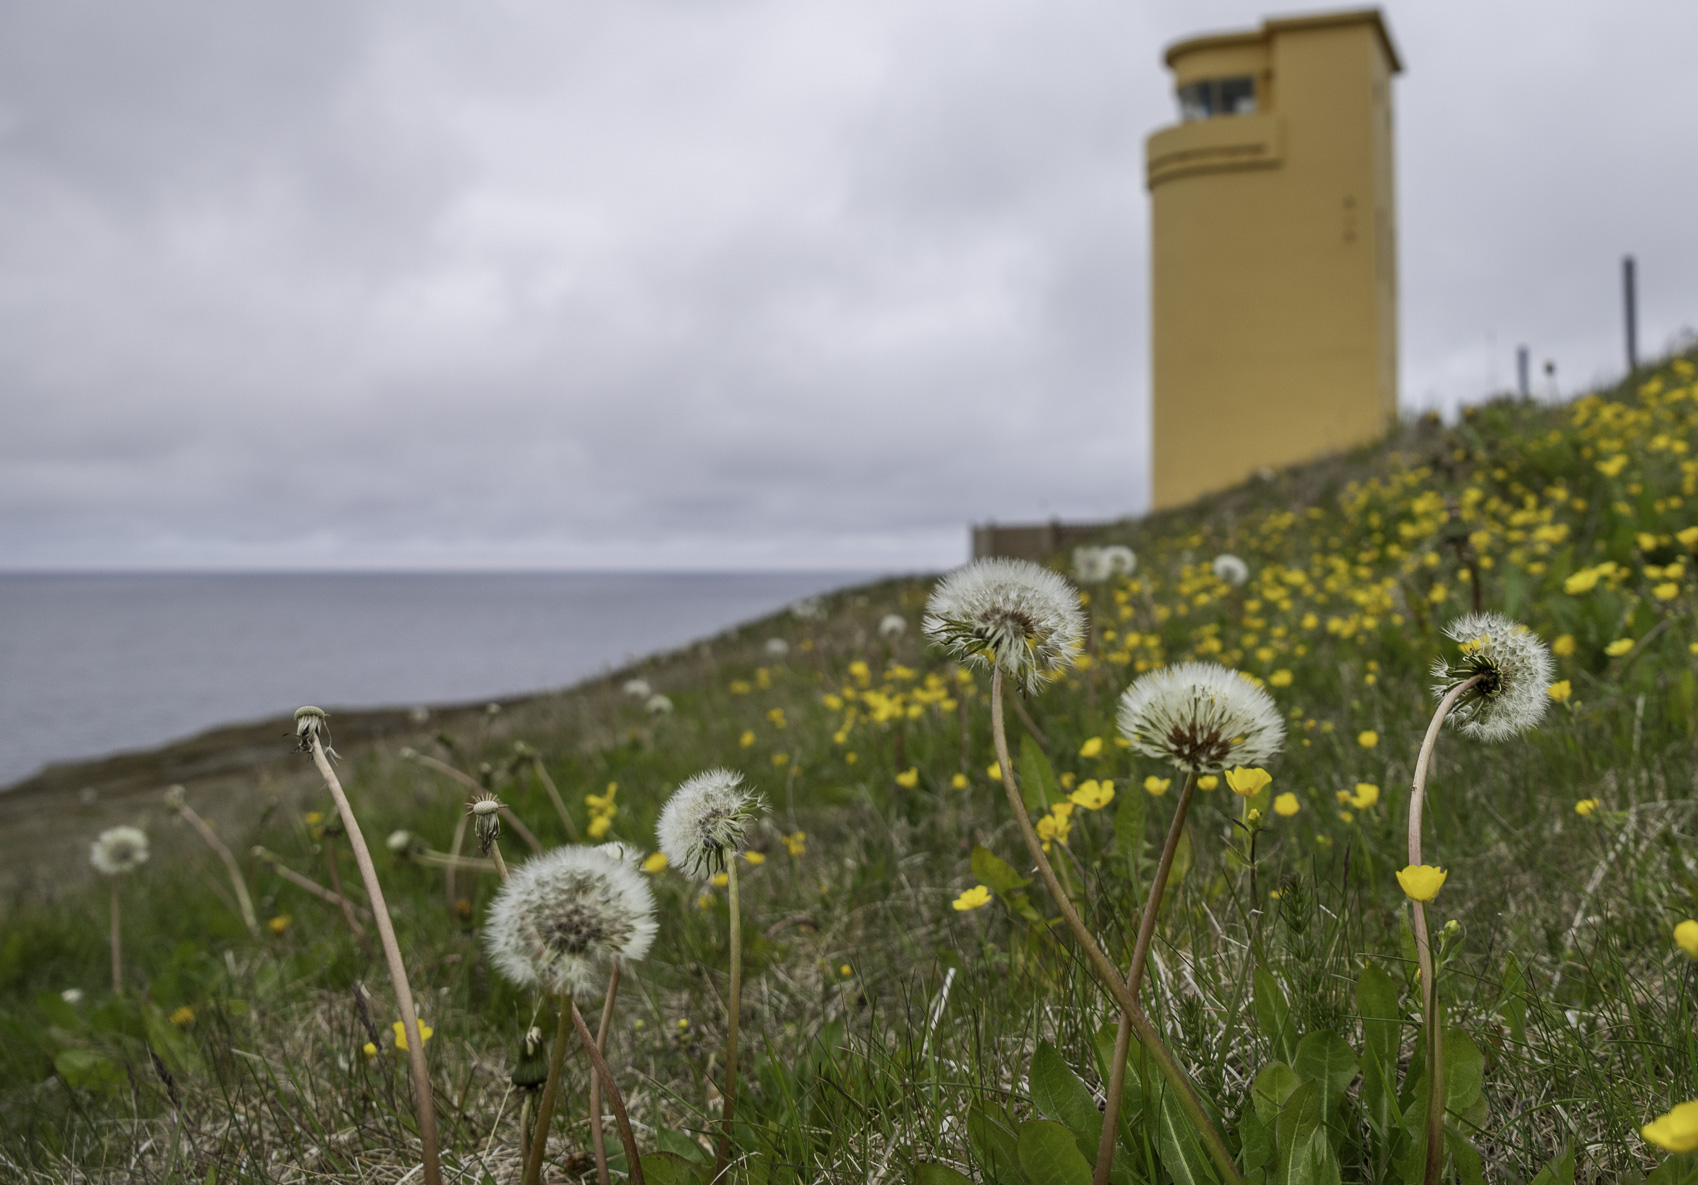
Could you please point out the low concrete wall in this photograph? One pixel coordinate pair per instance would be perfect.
(1031, 541)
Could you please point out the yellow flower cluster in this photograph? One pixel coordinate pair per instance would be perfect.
(602, 810)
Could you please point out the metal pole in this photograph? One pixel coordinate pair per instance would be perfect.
(1521, 377)
(1630, 307)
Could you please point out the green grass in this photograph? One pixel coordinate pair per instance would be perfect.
(1572, 1006)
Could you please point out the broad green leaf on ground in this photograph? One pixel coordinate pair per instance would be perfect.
(932, 1173)
(1329, 1060)
(1062, 1095)
(1464, 1070)
(1559, 1172)
(1273, 1085)
(994, 1146)
(669, 1168)
(1178, 1145)
(1049, 1155)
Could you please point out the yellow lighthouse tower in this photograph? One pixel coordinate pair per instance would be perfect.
(1273, 251)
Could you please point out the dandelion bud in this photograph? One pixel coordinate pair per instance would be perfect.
(309, 723)
(531, 1069)
(174, 797)
(399, 841)
(485, 810)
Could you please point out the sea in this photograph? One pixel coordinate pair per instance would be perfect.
(97, 663)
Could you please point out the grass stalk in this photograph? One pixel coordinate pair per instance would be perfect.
(733, 1009)
(550, 1091)
(1135, 979)
(1106, 971)
(554, 797)
(1423, 942)
(117, 945)
(423, 1103)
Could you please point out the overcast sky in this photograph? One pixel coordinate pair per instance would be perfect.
(712, 283)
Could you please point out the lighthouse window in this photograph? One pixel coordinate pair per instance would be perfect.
(1217, 96)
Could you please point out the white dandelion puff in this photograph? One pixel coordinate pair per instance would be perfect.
(1512, 670)
(1089, 565)
(1231, 569)
(892, 626)
(808, 609)
(1120, 560)
(658, 705)
(563, 917)
(1201, 717)
(1010, 613)
(777, 647)
(703, 822)
(638, 688)
(118, 850)
(621, 853)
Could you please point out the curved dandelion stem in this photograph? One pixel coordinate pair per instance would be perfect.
(423, 1103)
(237, 882)
(550, 1090)
(733, 1006)
(1135, 979)
(117, 945)
(1423, 943)
(554, 797)
(626, 1137)
(1105, 970)
(597, 1139)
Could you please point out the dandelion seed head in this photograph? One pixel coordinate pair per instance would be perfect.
(1011, 613)
(658, 705)
(1231, 569)
(703, 822)
(892, 626)
(118, 850)
(1512, 670)
(1201, 717)
(638, 688)
(563, 917)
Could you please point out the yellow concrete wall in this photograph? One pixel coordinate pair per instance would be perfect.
(1273, 256)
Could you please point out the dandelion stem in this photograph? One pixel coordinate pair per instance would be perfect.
(545, 1106)
(117, 945)
(1135, 979)
(1423, 943)
(495, 855)
(554, 797)
(596, 1136)
(451, 871)
(1106, 972)
(235, 870)
(633, 1161)
(423, 1104)
(733, 1007)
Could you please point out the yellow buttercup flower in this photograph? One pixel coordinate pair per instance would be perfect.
(975, 898)
(1207, 782)
(183, 1017)
(1688, 537)
(1686, 937)
(747, 739)
(600, 825)
(1666, 591)
(755, 859)
(1367, 794)
(1285, 805)
(908, 778)
(1619, 647)
(958, 782)
(1585, 580)
(1422, 882)
(994, 771)
(314, 818)
(1280, 678)
(796, 842)
(1091, 748)
(369, 1050)
(1675, 1132)
(1560, 691)
(721, 879)
(279, 924)
(401, 1034)
(1247, 781)
(655, 863)
(846, 971)
(1367, 738)
(1155, 786)
(1093, 795)
(1585, 807)
(1563, 646)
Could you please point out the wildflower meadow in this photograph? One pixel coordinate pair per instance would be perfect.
(1337, 828)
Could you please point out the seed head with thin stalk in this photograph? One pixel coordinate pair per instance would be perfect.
(1011, 615)
(1508, 670)
(1201, 718)
(563, 917)
(114, 853)
(703, 823)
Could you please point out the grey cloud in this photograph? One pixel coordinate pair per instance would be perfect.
(726, 283)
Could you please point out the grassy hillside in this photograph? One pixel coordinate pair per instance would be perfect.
(878, 1019)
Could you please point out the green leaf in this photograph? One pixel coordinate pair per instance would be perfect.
(669, 1168)
(1129, 825)
(1379, 1097)
(1062, 1095)
(932, 1173)
(1329, 1060)
(680, 1144)
(1469, 1167)
(1177, 1144)
(1513, 1003)
(1048, 1155)
(1302, 1155)
(1382, 1020)
(174, 1049)
(1464, 1069)
(84, 1069)
(1132, 1083)
(58, 1012)
(1559, 1172)
(1273, 1017)
(1038, 787)
(1257, 1139)
(994, 1147)
(1272, 1087)
(995, 873)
